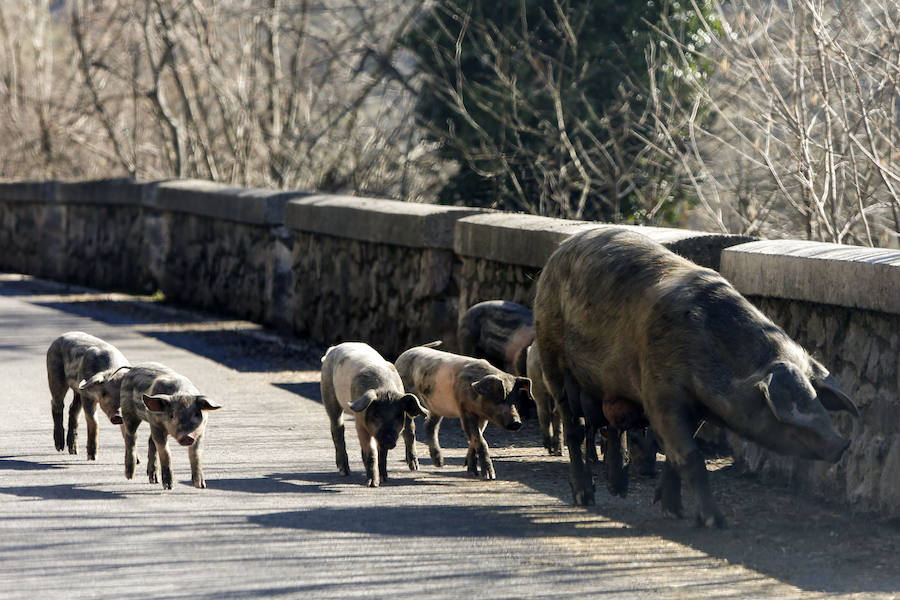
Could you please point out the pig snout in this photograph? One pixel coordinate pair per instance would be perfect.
(835, 450)
(115, 419)
(388, 442)
(512, 420)
(185, 439)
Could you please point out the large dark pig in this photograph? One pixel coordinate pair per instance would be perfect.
(470, 389)
(621, 319)
(171, 404)
(358, 381)
(498, 331)
(73, 358)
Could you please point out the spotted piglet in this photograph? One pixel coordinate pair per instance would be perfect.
(358, 381)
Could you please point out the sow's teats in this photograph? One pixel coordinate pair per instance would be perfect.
(470, 389)
(356, 380)
(620, 318)
(172, 406)
(72, 359)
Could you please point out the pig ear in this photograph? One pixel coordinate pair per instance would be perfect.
(363, 402)
(412, 406)
(489, 386)
(523, 384)
(783, 406)
(157, 403)
(206, 404)
(832, 396)
(95, 380)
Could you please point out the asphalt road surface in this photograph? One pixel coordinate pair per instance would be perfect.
(278, 521)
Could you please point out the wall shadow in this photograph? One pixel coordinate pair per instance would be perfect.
(59, 492)
(239, 350)
(309, 390)
(9, 463)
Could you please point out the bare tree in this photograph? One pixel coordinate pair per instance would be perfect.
(793, 129)
(256, 93)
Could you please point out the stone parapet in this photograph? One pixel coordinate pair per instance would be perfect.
(254, 206)
(28, 191)
(529, 240)
(377, 221)
(851, 276)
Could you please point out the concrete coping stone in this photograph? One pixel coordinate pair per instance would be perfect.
(119, 191)
(529, 240)
(373, 220)
(850, 276)
(28, 191)
(255, 206)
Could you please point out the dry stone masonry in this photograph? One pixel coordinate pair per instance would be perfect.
(396, 274)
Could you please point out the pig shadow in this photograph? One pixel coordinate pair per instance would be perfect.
(59, 492)
(8, 463)
(283, 483)
(796, 538)
(311, 390)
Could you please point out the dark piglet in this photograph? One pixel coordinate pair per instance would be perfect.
(173, 406)
(72, 359)
(470, 389)
(357, 380)
(620, 318)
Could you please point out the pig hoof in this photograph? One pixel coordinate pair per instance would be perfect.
(713, 521)
(200, 484)
(73, 449)
(371, 483)
(91, 457)
(152, 478)
(344, 471)
(489, 476)
(413, 464)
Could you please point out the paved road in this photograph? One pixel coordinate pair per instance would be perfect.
(277, 521)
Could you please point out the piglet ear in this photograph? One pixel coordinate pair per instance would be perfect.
(832, 396)
(157, 403)
(490, 386)
(523, 384)
(363, 402)
(206, 404)
(412, 406)
(95, 380)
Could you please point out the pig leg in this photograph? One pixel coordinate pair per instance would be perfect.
(669, 491)
(580, 477)
(160, 439)
(474, 426)
(432, 428)
(369, 452)
(382, 463)
(152, 471)
(129, 428)
(72, 437)
(676, 431)
(58, 389)
(548, 419)
(613, 460)
(409, 440)
(90, 417)
(340, 446)
(195, 455)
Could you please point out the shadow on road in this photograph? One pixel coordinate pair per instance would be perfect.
(310, 390)
(14, 464)
(59, 492)
(280, 483)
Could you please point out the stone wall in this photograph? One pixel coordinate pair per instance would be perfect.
(856, 336)
(397, 274)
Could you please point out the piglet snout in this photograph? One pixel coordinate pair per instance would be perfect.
(116, 419)
(186, 439)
